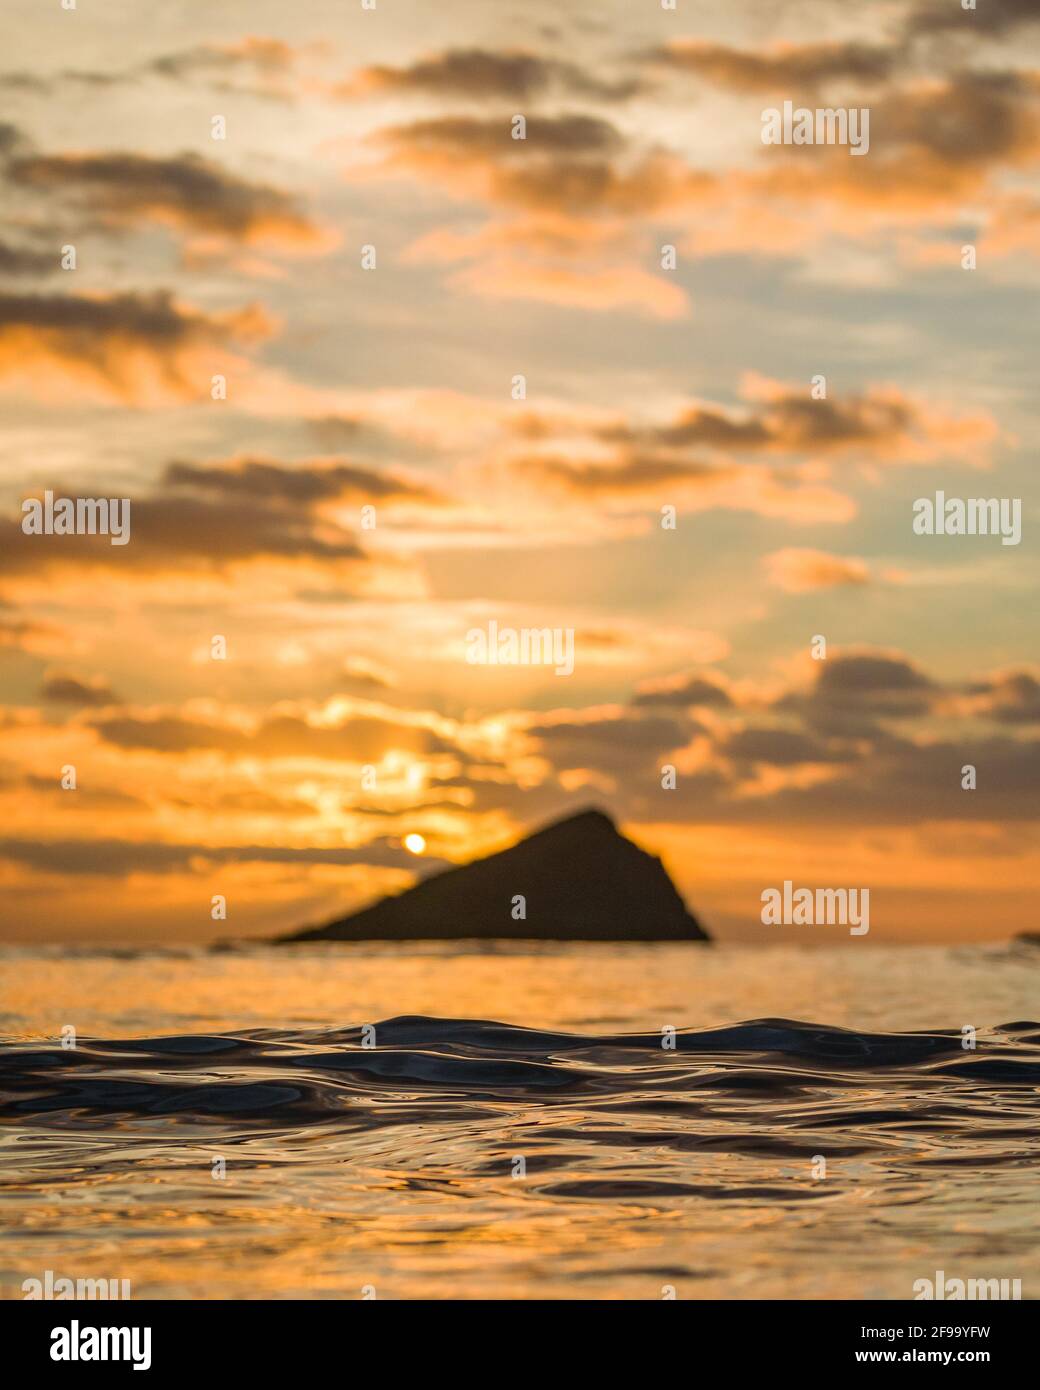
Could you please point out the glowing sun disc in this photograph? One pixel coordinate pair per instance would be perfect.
(414, 844)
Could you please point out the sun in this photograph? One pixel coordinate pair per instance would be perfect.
(415, 844)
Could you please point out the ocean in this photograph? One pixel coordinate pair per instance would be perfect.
(461, 1120)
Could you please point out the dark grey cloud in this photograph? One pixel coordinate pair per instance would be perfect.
(575, 165)
(482, 74)
(895, 782)
(789, 422)
(852, 691)
(169, 532)
(863, 676)
(779, 747)
(992, 18)
(307, 482)
(269, 57)
(694, 690)
(109, 340)
(975, 118)
(620, 746)
(1012, 697)
(23, 82)
(359, 739)
(576, 134)
(12, 139)
(629, 476)
(170, 734)
(122, 189)
(118, 858)
(28, 260)
(795, 66)
(211, 516)
(256, 65)
(70, 690)
(148, 317)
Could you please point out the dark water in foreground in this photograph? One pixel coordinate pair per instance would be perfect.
(465, 1158)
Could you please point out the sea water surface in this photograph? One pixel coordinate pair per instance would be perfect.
(456, 1120)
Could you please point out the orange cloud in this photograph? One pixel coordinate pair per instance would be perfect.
(480, 74)
(804, 571)
(136, 348)
(211, 519)
(574, 193)
(600, 291)
(783, 67)
(882, 424)
(694, 485)
(184, 192)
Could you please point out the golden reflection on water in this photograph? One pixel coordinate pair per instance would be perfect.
(627, 1194)
(604, 987)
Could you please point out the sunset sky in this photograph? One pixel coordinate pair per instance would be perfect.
(391, 387)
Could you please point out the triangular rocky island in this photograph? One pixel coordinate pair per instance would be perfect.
(580, 880)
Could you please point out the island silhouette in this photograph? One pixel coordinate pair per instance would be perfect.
(577, 879)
